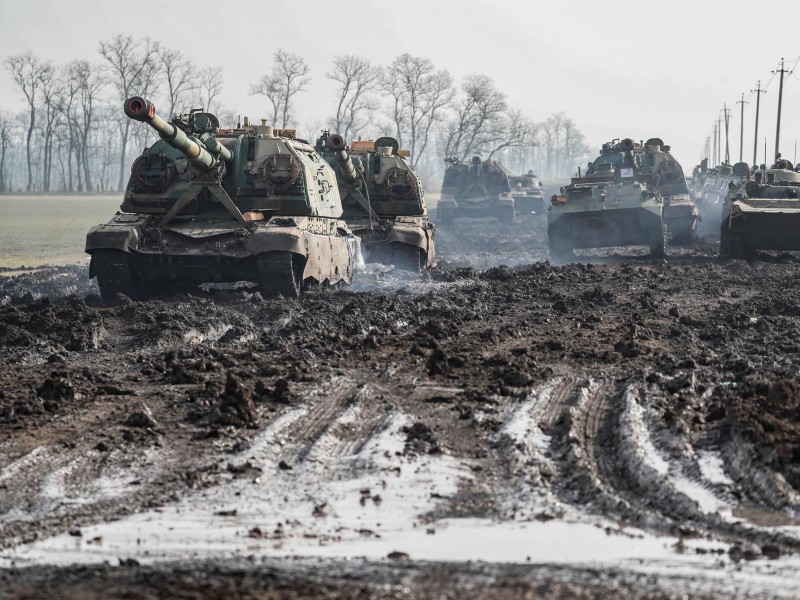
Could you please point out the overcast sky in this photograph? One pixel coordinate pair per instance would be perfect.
(636, 69)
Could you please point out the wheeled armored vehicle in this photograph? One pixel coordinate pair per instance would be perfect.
(205, 204)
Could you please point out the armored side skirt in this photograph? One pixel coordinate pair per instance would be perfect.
(501, 208)
(745, 231)
(600, 228)
(406, 242)
(680, 217)
(317, 252)
(526, 204)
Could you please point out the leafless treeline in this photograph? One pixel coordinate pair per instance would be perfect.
(72, 136)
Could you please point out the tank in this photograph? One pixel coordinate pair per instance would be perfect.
(527, 193)
(479, 188)
(205, 204)
(762, 212)
(610, 206)
(383, 200)
(659, 168)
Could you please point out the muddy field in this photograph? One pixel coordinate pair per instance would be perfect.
(501, 427)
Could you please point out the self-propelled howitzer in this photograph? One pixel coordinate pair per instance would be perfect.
(205, 204)
(383, 201)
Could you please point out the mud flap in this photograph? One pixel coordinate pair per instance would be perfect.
(354, 250)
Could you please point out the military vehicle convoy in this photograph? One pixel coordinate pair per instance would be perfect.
(479, 188)
(383, 201)
(659, 168)
(205, 204)
(762, 212)
(610, 206)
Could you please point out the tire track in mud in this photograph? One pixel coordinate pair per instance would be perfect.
(765, 488)
(522, 450)
(608, 463)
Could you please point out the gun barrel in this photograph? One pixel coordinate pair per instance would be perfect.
(337, 144)
(139, 109)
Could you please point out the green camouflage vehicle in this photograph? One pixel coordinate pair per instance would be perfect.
(762, 212)
(527, 193)
(659, 168)
(475, 189)
(205, 204)
(383, 200)
(610, 206)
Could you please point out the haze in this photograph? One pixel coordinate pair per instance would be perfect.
(618, 69)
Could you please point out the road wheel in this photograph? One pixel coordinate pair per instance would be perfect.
(658, 245)
(278, 275)
(114, 276)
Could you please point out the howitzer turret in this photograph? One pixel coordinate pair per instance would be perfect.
(338, 146)
(205, 156)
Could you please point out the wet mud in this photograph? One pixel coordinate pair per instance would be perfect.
(501, 426)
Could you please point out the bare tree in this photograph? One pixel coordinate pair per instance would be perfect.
(289, 76)
(516, 132)
(52, 99)
(6, 137)
(209, 87)
(70, 91)
(478, 123)
(26, 70)
(135, 69)
(91, 84)
(420, 95)
(180, 76)
(357, 78)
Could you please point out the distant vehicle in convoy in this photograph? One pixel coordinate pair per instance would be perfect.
(527, 193)
(479, 188)
(718, 181)
(659, 168)
(205, 204)
(609, 206)
(383, 200)
(762, 212)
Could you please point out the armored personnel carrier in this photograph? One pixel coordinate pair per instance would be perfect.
(610, 206)
(762, 212)
(205, 204)
(527, 193)
(383, 200)
(659, 168)
(475, 189)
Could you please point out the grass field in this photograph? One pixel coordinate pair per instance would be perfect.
(49, 230)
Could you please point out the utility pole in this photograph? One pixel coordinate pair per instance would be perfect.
(758, 91)
(780, 99)
(741, 127)
(727, 112)
(714, 155)
(719, 140)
